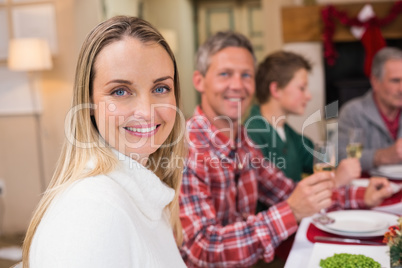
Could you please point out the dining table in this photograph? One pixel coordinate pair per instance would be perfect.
(306, 243)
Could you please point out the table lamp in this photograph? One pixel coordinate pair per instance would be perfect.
(32, 55)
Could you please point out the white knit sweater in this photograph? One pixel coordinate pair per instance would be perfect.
(114, 220)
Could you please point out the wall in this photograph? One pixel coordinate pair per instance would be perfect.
(19, 171)
(120, 7)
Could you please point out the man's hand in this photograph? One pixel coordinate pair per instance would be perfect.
(377, 190)
(390, 155)
(347, 170)
(312, 194)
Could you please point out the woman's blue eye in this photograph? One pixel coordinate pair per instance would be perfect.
(224, 74)
(120, 92)
(246, 75)
(161, 90)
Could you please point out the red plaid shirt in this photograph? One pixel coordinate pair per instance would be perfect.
(221, 185)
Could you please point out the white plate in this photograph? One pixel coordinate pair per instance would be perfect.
(390, 171)
(365, 182)
(359, 223)
(323, 251)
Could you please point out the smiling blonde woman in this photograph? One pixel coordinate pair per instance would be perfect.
(109, 203)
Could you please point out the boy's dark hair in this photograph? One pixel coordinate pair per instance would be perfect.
(277, 67)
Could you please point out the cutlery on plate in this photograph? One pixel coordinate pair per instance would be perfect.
(323, 218)
(346, 240)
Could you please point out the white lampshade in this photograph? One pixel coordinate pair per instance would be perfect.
(29, 54)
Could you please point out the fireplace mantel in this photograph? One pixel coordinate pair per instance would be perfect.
(304, 23)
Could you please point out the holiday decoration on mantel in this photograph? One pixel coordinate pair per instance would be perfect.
(366, 27)
(370, 36)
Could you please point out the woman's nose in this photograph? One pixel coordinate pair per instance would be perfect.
(142, 108)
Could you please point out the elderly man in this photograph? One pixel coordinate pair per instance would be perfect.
(378, 113)
(225, 174)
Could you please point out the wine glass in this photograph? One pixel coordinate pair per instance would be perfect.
(355, 144)
(324, 157)
(324, 160)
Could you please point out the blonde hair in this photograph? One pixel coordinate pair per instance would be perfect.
(83, 142)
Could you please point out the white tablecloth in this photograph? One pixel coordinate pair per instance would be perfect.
(302, 248)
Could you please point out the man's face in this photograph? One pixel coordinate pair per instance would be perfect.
(228, 86)
(388, 88)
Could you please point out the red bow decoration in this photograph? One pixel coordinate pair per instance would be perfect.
(372, 37)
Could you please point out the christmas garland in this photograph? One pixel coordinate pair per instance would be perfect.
(330, 13)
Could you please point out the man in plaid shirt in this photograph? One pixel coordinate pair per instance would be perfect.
(226, 174)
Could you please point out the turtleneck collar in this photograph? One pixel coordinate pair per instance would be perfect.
(149, 193)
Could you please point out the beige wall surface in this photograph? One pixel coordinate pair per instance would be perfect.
(19, 170)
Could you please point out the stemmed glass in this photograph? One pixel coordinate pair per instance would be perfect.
(324, 160)
(355, 145)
